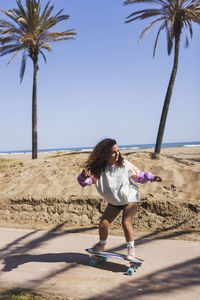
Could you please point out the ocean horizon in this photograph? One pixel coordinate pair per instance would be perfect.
(121, 147)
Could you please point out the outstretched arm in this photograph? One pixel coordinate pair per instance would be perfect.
(139, 176)
(146, 176)
(143, 177)
(85, 178)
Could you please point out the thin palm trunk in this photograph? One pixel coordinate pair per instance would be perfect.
(167, 99)
(34, 110)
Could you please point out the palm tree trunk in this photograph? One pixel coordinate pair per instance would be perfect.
(167, 99)
(34, 110)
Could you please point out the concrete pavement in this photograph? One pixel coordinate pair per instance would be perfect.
(57, 263)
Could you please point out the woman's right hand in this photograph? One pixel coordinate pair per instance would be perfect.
(86, 173)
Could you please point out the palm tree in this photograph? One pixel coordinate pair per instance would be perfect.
(28, 32)
(174, 15)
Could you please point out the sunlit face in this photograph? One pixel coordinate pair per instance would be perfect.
(114, 155)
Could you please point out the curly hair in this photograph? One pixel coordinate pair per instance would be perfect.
(98, 158)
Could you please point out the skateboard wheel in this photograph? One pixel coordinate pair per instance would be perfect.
(92, 262)
(130, 271)
(105, 259)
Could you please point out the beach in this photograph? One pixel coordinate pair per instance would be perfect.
(44, 193)
(47, 220)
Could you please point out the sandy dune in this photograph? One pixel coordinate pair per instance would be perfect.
(53, 176)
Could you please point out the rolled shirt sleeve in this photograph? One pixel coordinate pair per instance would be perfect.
(144, 177)
(84, 181)
(137, 175)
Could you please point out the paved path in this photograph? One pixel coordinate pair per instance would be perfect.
(57, 263)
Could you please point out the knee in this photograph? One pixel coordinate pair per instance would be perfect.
(126, 223)
(104, 224)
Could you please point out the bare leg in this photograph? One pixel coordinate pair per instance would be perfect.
(108, 217)
(128, 213)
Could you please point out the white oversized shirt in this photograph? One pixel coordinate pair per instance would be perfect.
(116, 186)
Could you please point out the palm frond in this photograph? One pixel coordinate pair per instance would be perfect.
(11, 31)
(7, 40)
(29, 30)
(9, 49)
(186, 42)
(45, 45)
(13, 57)
(10, 15)
(156, 40)
(176, 14)
(44, 57)
(142, 14)
(43, 16)
(51, 21)
(142, 34)
(57, 33)
(4, 23)
(60, 11)
(127, 2)
(21, 8)
(51, 39)
(187, 23)
(47, 12)
(23, 66)
(55, 36)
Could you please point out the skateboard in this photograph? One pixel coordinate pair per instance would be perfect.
(103, 256)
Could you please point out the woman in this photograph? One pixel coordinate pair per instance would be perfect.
(113, 178)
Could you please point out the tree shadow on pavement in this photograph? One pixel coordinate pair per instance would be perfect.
(165, 233)
(17, 247)
(181, 276)
(160, 235)
(12, 262)
(175, 277)
(15, 253)
(167, 280)
(17, 241)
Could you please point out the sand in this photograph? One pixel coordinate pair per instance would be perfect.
(172, 205)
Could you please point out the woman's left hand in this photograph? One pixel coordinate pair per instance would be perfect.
(157, 178)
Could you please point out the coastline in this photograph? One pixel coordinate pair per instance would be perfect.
(187, 152)
(89, 149)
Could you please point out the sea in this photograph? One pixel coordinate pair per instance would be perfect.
(121, 147)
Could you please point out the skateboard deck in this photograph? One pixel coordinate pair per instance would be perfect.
(103, 256)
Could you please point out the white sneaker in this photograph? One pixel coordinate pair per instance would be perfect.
(98, 247)
(130, 253)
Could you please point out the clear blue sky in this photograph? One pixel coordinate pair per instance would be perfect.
(103, 84)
